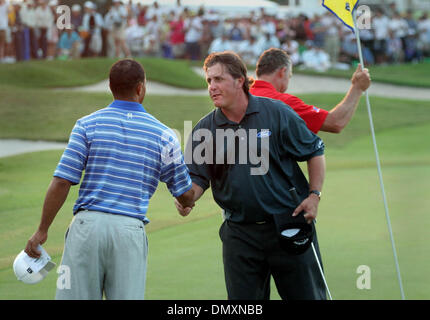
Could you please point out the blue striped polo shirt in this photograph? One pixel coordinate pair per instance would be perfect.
(124, 152)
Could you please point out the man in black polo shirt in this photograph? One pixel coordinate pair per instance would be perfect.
(247, 151)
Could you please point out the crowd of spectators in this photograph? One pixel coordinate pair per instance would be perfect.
(29, 30)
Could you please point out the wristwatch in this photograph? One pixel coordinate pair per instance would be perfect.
(318, 193)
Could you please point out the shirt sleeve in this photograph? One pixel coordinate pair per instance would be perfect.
(74, 158)
(298, 142)
(314, 117)
(174, 171)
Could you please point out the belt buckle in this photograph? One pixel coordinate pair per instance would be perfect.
(260, 222)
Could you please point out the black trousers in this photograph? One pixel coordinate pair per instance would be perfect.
(18, 40)
(33, 43)
(252, 254)
(43, 41)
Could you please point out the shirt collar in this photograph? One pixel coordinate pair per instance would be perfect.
(127, 105)
(252, 107)
(263, 84)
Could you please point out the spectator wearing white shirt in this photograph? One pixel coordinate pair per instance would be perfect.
(152, 46)
(424, 33)
(44, 19)
(29, 25)
(413, 51)
(291, 46)
(154, 10)
(268, 25)
(178, 9)
(216, 25)
(117, 19)
(315, 58)
(380, 25)
(268, 41)
(399, 26)
(412, 23)
(134, 35)
(220, 44)
(331, 36)
(193, 35)
(52, 34)
(395, 48)
(249, 50)
(4, 6)
(132, 9)
(108, 43)
(92, 24)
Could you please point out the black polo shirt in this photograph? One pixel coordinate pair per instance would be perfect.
(243, 184)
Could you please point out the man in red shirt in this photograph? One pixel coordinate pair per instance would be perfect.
(274, 70)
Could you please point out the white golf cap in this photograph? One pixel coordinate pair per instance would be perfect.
(53, 3)
(31, 270)
(76, 7)
(89, 5)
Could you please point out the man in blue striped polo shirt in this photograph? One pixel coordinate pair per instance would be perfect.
(124, 152)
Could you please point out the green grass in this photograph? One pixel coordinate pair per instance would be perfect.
(413, 75)
(47, 115)
(407, 74)
(72, 73)
(185, 253)
(50, 115)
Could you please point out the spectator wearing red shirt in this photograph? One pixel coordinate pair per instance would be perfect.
(274, 70)
(177, 35)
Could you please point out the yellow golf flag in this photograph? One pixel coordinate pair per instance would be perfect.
(342, 9)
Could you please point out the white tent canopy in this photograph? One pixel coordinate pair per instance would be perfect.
(225, 6)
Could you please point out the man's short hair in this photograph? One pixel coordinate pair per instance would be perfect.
(124, 77)
(271, 60)
(233, 63)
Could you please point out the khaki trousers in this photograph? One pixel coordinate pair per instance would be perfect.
(104, 254)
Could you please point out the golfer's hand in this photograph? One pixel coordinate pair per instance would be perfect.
(361, 78)
(39, 237)
(310, 206)
(182, 211)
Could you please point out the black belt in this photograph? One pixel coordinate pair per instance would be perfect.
(228, 215)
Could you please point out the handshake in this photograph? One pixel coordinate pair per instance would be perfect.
(183, 211)
(185, 202)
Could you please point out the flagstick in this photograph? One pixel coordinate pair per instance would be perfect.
(360, 53)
